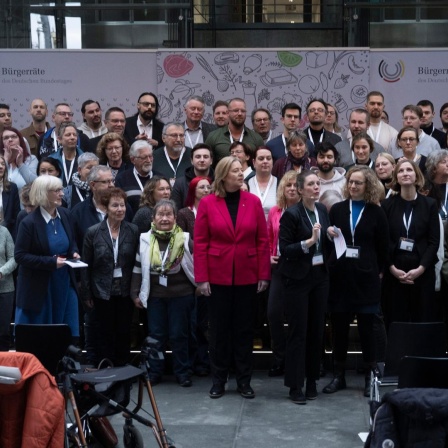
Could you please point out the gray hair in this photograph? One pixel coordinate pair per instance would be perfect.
(40, 188)
(195, 98)
(85, 158)
(93, 175)
(330, 197)
(64, 125)
(165, 203)
(433, 159)
(172, 123)
(135, 148)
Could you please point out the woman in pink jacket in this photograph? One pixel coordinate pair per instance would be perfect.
(231, 264)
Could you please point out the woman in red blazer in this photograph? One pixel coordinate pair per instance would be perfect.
(231, 264)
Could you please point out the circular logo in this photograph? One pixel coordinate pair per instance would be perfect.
(391, 72)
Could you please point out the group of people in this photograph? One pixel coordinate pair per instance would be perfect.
(199, 230)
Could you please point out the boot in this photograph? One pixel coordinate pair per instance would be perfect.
(369, 368)
(338, 381)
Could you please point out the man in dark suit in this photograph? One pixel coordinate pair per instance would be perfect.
(316, 111)
(115, 121)
(426, 124)
(196, 130)
(144, 124)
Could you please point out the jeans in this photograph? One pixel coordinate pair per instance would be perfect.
(169, 320)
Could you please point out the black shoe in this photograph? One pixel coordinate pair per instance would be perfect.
(184, 381)
(337, 383)
(276, 370)
(217, 391)
(311, 390)
(154, 380)
(246, 391)
(296, 396)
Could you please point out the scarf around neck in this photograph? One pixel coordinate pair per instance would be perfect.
(175, 238)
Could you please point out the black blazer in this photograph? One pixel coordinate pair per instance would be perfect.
(11, 208)
(131, 130)
(36, 262)
(327, 137)
(207, 128)
(295, 227)
(424, 229)
(357, 281)
(97, 252)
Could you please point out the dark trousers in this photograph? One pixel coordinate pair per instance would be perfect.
(305, 303)
(366, 328)
(6, 306)
(169, 319)
(276, 318)
(231, 331)
(91, 336)
(114, 318)
(199, 360)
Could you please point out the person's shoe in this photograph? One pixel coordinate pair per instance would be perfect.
(311, 390)
(367, 385)
(276, 370)
(336, 384)
(217, 391)
(202, 372)
(296, 396)
(184, 381)
(257, 344)
(246, 391)
(154, 380)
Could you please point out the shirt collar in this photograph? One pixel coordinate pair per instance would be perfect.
(47, 215)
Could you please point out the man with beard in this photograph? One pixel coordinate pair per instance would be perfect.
(174, 158)
(291, 115)
(331, 177)
(359, 122)
(196, 130)
(444, 117)
(223, 137)
(92, 125)
(144, 124)
(221, 113)
(426, 124)
(380, 131)
(261, 122)
(316, 133)
(38, 111)
(133, 181)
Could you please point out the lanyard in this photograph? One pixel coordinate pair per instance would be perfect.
(408, 223)
(187, 133)
(114, 246)
(269, 136)
(240, 139)
(377, 136)
(353, 227)
(262, 196)
(444, 202)
(370, 165)
(72, 164)
(316, 214)
(138, 179)
(165, 255)
(193, 209)
(284, 144)
(81, 197)
(170, 163)
(311, 137)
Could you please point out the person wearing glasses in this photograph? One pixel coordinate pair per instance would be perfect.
(144, 125)
(407, 141)
(46, 285)
(331, 123)
(48, 142)
(223, 137)
(113, 151)
(196, 130)
(115, 121)
(174, 158)
(355, 277)
(133, 181)
(245, 155)
(261, 121)
(316, 111)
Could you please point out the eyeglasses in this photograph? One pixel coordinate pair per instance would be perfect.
(57, 190)
(407, 139)
(106, 181)
(65, 114)
(204, 187)
(147, 157)
(175, 135)
(146, 104)
(260, 120)
(331, 112)
(355, 182)
(10, 136)
(314, 110)
(114, 148)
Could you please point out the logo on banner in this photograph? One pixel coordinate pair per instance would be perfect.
(391, 72)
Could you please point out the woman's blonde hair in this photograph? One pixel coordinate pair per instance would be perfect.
(221, 171)
(289, 176)
(372, 192)
(40, 188)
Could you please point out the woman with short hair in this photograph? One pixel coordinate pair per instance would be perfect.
(113, 151)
